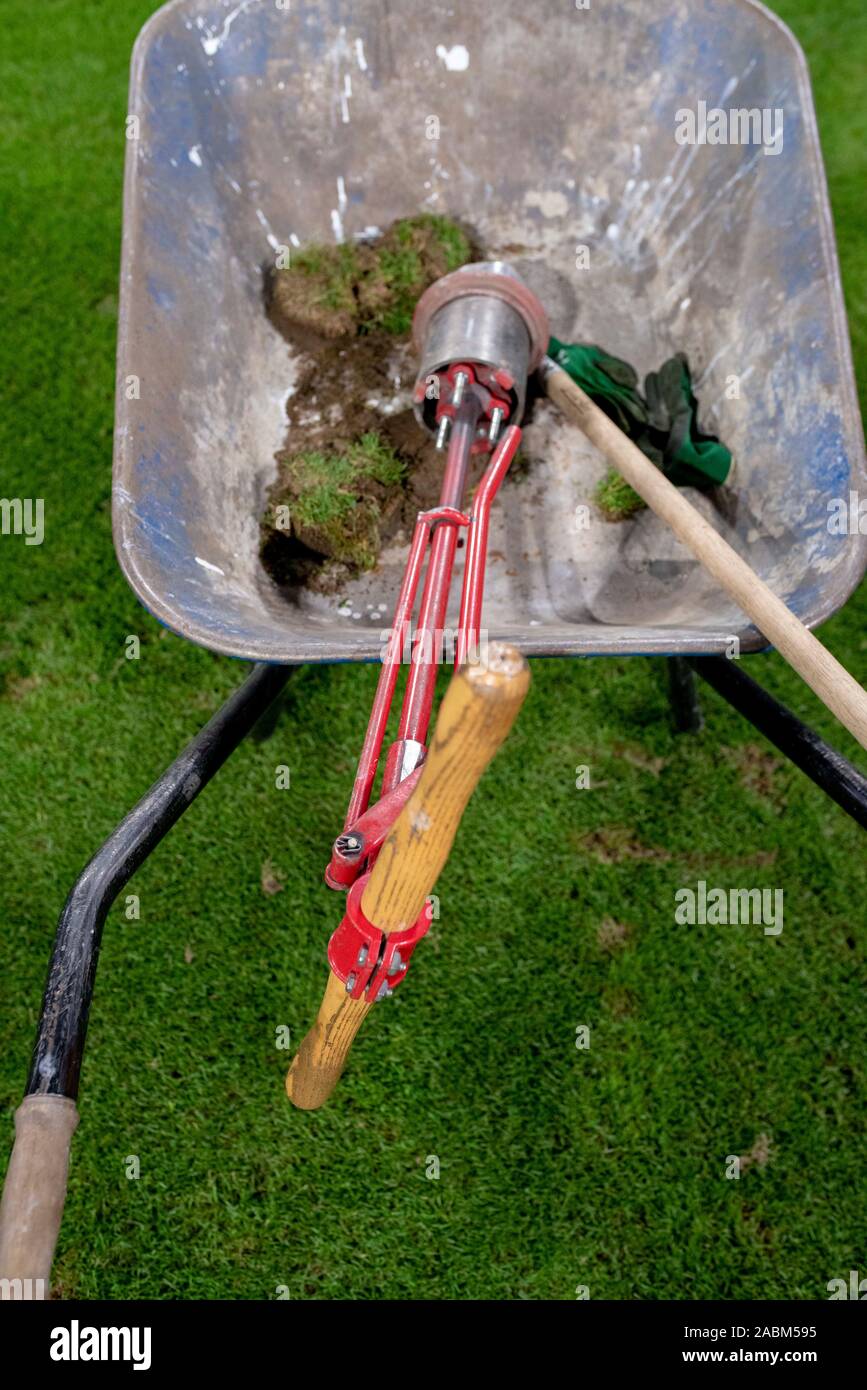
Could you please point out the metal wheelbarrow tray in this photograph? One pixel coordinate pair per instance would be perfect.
(262, 127)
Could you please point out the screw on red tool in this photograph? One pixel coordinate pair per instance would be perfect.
(478, 332)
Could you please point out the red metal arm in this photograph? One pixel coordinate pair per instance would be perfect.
(366, 827)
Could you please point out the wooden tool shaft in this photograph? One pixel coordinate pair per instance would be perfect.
(477, 712)
(34, 1194)
(804, 652)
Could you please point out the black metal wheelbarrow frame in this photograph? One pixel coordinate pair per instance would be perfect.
(55, 1067)
(48, 1115)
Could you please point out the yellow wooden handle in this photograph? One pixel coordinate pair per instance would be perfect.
(832, 683)
(476, 714)
(319, 1061)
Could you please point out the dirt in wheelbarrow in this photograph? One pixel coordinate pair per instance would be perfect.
(356, 467)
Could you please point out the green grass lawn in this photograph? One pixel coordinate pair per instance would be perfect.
(558, 1168)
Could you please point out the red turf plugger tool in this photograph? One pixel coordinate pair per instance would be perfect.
(479, 333)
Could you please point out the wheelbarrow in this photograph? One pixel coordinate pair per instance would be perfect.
(255, 127)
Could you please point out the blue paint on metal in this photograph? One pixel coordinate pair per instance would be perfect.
(161, 294)
(822, 442)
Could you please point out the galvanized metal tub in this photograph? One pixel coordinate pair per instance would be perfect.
(259, 126)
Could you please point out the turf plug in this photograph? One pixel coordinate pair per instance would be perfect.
(367, 286)
(331, 504)
(355, 467)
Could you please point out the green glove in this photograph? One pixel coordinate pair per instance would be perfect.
(690, 458)
(663, 422)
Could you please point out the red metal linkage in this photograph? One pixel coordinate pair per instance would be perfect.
(400, 627)
(366, 826)
(473, 591)
(418, 697)
(362, 842)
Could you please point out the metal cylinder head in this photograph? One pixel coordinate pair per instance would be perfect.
(485, 319)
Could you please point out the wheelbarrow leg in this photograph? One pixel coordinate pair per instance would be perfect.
(836, 776)
(683, 696)
(35, 1187)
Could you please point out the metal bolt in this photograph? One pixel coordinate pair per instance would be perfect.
(362, 954)
(460, 382)
(443, 431)
(496, 421)
(350, 983)
(396, 963)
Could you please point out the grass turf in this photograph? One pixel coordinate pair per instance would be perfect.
(559, 1168)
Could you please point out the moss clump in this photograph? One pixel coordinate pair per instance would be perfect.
(367, 287)
(616, 499)
(332, 504)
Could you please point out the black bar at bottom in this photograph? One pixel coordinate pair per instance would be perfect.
(200, 1339)
(62, 1031)
(837, 777)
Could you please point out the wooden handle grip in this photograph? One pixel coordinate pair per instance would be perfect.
(34, 1192)
(814, 663)
(476, 714)
(317, 1065)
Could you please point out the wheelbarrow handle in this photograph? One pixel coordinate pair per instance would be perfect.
(35, 1191)
(476, 714)
(833, 684)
